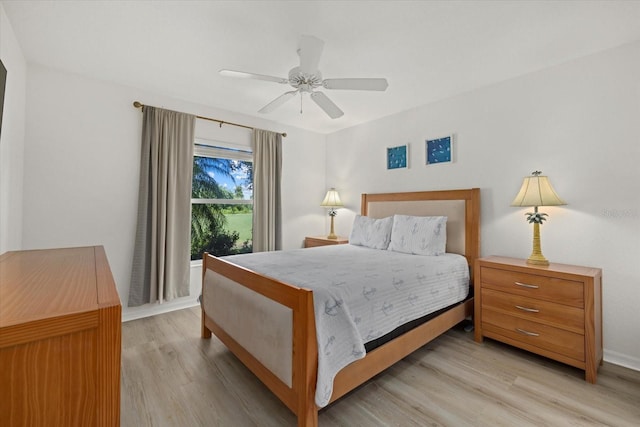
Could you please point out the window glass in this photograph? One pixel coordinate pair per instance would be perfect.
(221, 201)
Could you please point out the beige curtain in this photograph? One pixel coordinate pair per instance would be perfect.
(162, 244)
(267, 165)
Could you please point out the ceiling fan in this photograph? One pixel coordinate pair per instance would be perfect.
(307, 78)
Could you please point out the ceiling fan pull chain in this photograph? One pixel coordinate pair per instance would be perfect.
(300, 102)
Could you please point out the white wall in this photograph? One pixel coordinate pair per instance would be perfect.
(579, 123)
(82, 170)
(11, 138)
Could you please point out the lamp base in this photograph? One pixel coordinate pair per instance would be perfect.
(536, 257)
(332, 235)
(537, 260)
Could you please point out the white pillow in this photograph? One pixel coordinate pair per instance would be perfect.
(370, 232)
(419, 235)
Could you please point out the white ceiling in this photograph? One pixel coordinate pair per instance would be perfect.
(428, 50)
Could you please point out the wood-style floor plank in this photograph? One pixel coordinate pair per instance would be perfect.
(171, 377)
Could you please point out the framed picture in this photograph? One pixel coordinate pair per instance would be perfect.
(439, 150)
(398, 157)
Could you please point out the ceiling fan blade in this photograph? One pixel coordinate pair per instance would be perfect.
(327, 105)
(309, 51)
(243, 75)
(356, 84)
(278, 102)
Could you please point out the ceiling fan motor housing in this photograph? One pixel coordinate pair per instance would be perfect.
(304, 82)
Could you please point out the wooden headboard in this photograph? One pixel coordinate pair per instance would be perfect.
(461, 207)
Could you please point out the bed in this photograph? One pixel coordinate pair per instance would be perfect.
(271, 327)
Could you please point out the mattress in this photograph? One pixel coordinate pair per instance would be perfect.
(361, 294)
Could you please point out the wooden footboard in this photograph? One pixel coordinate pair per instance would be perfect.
(300, 398)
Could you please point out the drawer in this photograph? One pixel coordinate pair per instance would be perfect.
(548, 313)
(546, 337)
(560, 291)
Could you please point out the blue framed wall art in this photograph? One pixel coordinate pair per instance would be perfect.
(398, 157)
(439, 150)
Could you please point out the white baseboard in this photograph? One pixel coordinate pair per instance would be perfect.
(622, 360)
(148, 310)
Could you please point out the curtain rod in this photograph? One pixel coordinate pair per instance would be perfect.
(140, 105)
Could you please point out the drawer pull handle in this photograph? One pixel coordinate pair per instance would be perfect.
(531, 334)
(524, 285)
(530, 310)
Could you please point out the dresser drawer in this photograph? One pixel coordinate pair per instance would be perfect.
(552, 289)
(535, 334)
(541, 311)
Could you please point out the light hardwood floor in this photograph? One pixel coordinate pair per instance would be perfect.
(171, 377)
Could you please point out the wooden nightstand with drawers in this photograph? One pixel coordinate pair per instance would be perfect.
(311, 242)
(554, 311)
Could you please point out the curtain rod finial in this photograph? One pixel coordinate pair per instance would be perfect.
(137, 104)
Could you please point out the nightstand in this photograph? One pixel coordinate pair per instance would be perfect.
(310, 242)
(554, 311)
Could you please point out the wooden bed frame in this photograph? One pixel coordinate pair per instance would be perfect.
(300, 397)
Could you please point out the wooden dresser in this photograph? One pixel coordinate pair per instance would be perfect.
(311, 242)
(60, 322)
(554, 311)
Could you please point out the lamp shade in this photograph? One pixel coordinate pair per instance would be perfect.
(536, 190)
(332, 199)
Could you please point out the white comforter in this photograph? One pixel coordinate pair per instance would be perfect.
(361, 294)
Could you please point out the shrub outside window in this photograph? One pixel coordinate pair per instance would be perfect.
(221, 201)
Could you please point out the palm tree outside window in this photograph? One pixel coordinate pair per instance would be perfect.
(222, 200)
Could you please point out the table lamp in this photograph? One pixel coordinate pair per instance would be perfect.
(332, 201)
(537, 191)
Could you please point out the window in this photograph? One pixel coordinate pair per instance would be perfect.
(221, 200)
